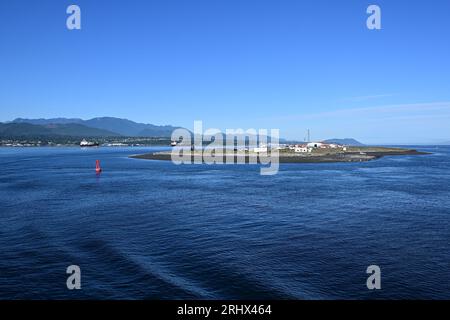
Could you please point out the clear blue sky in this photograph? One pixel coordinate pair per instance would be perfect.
(281, 64)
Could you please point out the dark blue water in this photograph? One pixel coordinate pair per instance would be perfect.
(153, 230)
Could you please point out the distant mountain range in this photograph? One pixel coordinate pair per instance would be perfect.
(100, 127)
(346, 142)
(96, 127)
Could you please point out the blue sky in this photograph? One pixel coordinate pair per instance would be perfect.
(291, 65)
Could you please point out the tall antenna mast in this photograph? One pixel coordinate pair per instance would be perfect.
(309, 136)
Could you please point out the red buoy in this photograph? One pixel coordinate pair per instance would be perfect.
(98, 169)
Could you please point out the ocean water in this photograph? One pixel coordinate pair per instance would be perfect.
(153, 230)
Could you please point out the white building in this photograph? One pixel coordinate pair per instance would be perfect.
(261, 148)
(281, 147)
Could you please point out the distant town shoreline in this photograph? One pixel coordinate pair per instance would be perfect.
(89, 142)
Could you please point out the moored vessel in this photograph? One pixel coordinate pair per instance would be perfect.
(85, 143)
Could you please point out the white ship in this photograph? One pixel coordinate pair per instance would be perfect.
(85, 143)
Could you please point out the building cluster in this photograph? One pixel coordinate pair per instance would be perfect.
(21, 143)
(306, 147)
(310, 146)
